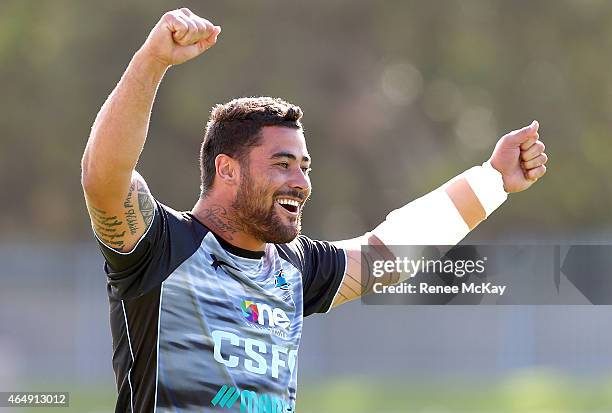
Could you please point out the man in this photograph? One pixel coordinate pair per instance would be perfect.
(207, 306)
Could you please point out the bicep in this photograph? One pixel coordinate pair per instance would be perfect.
(358, 280)
(121, 221)
(361, 253)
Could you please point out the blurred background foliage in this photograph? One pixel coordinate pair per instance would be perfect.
(398, 96)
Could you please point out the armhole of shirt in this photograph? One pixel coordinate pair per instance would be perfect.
(341, 281)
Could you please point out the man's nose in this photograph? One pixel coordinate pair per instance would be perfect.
(299, 180)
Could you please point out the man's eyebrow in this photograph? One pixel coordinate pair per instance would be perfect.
(288, 155)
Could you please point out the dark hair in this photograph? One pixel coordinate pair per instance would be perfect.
(233, 129)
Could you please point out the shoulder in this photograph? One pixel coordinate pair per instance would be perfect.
(182, 225)
(173, 238)
(295, 251)
(304, 252)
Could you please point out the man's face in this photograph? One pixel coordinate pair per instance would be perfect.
(274, 185)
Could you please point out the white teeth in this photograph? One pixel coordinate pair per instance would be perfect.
(285, 201)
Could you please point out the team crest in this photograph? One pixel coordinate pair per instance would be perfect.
(281, 282)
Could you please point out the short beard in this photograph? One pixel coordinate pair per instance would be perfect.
(259, 220)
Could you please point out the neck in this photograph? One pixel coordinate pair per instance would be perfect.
(220, 218)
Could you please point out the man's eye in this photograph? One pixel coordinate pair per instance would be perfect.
(306, 170)
(283, 164)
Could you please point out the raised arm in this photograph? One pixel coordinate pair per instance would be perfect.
(119, 202)
(446, 215)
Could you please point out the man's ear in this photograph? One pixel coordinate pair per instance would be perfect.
(227, 169)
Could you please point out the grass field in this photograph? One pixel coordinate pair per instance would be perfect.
(527, 392)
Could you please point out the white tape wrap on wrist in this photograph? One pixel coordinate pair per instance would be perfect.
(434, 219)
(488, 185)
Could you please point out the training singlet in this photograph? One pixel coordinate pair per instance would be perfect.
(199, 325)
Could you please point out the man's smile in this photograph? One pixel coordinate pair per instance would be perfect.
(289, 205)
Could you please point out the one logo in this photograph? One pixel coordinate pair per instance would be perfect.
(250, 401)
(264, 315)
(217, 263)
(281, 282)
(250, 311)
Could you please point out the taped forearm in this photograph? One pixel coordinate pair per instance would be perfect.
(446, 215)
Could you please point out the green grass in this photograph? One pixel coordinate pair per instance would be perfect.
(525, 392)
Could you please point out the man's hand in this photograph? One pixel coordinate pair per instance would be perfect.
(179, 36)
(519, 156)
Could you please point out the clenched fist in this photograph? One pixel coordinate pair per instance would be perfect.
(180, 35)
(519, 157)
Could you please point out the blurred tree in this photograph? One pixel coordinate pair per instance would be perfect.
(398, 97)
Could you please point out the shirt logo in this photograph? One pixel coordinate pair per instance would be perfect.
(281, 282)
(217, 263)
(264, 315)
(250, 401)
(255, 356)
(250, 311)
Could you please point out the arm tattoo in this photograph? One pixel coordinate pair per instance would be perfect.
(359, 279)
(130, 213)
(116, 230)
(376, 252)
(355, 284)
(147, 209)
(105, 227)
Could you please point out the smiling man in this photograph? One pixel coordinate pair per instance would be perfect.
(207, 306)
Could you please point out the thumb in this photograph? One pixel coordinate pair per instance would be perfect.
(516, 137)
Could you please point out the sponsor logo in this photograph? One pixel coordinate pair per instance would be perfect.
(250, 401)
(264, 315)
(255, 356)
(250, 311)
